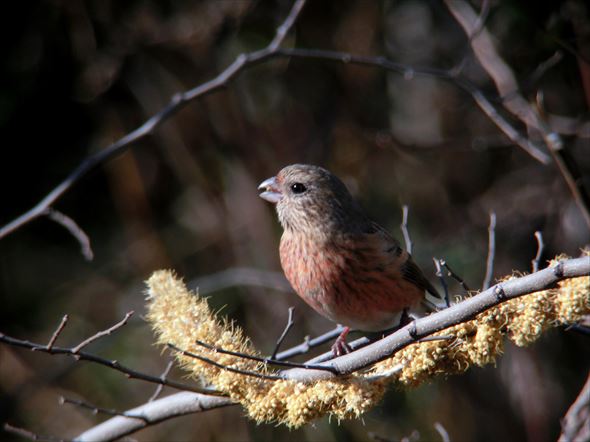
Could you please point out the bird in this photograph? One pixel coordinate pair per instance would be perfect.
(345, 266)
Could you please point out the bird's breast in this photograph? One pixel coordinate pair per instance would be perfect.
(347, 282)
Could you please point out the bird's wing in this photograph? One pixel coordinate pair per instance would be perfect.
(387, 244)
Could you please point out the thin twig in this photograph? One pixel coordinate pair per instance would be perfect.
(269, 361)
(27, 434)
(487, 280)
(57, 332)
(308, 344)
(405, 231)
(540, 247)
(286, 26)
(579, 328)
(288, 327)
(102, 333)
(443, 282)
(115, 365)
(558, 152)
(481, 20)
(575, 425)
(454, 275)
(444, 435)
(505, 81)
(95, 410)
(543, 67)
(411, 72)
(163, 377)
(224, 367)
(75, 230)
(499, 71)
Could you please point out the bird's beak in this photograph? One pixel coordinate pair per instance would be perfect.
(271, 193)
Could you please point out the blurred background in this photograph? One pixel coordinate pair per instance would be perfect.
(77, 76)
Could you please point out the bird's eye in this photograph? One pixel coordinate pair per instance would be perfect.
(298, 188)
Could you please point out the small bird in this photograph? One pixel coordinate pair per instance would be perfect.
(345, 266)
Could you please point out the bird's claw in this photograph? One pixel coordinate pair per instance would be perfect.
(340, 347)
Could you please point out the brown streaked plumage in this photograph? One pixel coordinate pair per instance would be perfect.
(345, 266)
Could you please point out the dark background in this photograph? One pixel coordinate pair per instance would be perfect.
(77, 76)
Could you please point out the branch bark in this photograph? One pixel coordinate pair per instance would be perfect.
(187, 403)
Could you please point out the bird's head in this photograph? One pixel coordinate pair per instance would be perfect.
(309, 198)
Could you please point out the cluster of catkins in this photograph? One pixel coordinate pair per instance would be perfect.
(182, 318)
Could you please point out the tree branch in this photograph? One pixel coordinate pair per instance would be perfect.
(505, 81)
(176, 405)
(83, 356)
(177, 102)
(456, 314)
(75, 230)
(191, 403)
(575, 425)
(487, 280)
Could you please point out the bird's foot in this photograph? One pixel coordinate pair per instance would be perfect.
(340, 347)
(407, 319)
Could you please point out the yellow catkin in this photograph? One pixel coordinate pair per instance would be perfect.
(181, 318)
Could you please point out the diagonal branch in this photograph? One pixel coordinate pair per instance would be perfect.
(505, 81)
(176, 405)
(184, 403)
(176, 103)
(103, 333)
(75, 230)
(83, 356)
(487, 280)
(575, 425)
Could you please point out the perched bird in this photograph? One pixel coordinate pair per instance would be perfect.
(345, 266)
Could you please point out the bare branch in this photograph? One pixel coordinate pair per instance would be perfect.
(404, 227)
(176, 103)
(240, 276)
(411, 72)
(163, 377)
(286, 26)
(453, 275)
(115, 365)
(499, 71)
(491, 252)
(545, 66)
(27, 434)
(308, 344)
(453, 315)
(209, 361)
(444, 435)
(575, 426)
(443, 282)
(269, 361)
(540, 247)
(176, 405)
(103, 333)
(507, 86)
(242, 62)
(558, 152)
(57, 332)
(74, 229)
(288, 327)
(95, 410)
